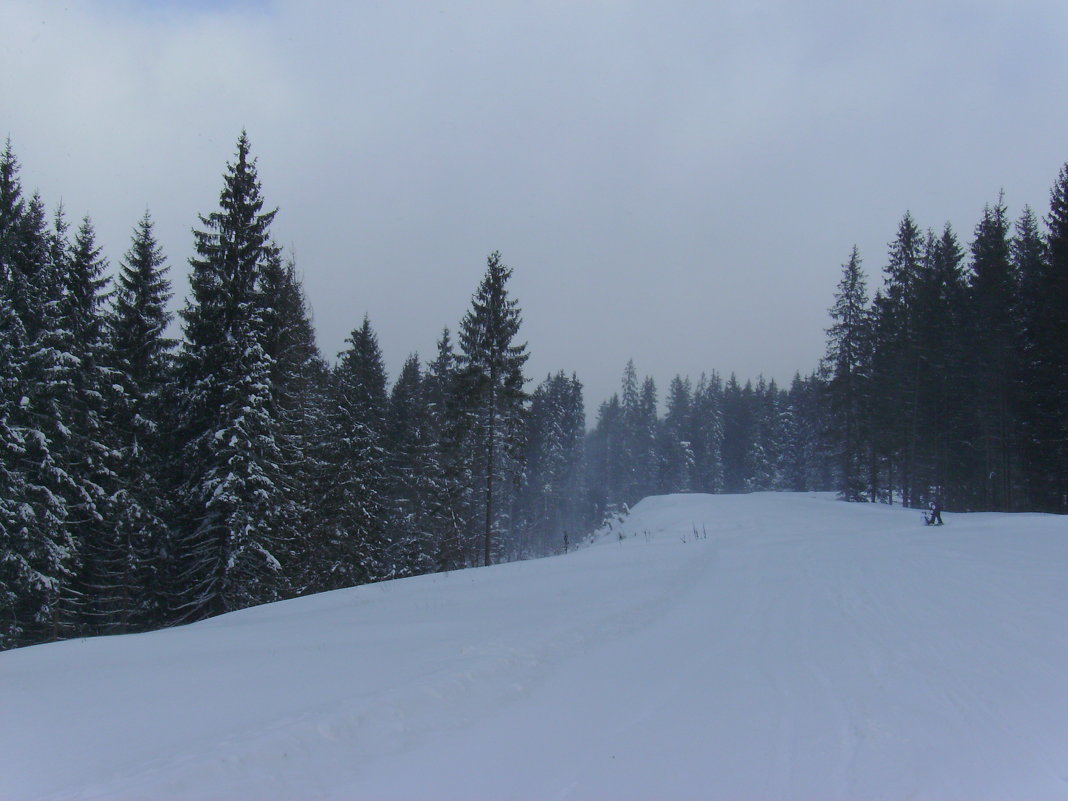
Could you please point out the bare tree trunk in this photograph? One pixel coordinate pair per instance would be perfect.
(490, 454)
(488, 543)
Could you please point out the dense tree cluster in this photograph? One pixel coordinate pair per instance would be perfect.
(952, 381)
(715, 436)
(147, 481)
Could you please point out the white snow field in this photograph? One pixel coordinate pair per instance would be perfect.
(806, 649)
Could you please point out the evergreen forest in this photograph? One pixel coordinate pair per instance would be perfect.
(157, 471)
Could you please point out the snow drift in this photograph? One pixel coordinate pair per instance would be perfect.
(715, 647)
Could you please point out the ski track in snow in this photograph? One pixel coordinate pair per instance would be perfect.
(804, 649)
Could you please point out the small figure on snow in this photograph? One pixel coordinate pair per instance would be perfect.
(935, 518)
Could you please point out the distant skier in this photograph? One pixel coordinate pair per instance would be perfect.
(935, 518)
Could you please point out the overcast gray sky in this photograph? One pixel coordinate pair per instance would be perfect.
(673, 182)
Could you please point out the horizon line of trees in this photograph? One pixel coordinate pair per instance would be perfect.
(147, 481)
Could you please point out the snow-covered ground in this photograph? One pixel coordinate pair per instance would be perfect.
(804, 649)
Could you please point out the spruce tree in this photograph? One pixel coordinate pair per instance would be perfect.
(299, 379)
(450, 515)
(491, 370)
(707, 427)
(11, 209)
(738, 435)
(90, 446)
(898, 363)
(16, 571)
(1030, 398)
(992, 332)
(631, 467)
(646, 432)
(413, 473)
(576, 516)
(1050, 352)
(848, 359)
(945, 429)
(605, 460)
(141, 357)
(768, 438)
(356, 549)
(51, 490)
(800, 438)
(29, 267)
(550, 504)
(884, 395)
(232, 456)
(676, 447)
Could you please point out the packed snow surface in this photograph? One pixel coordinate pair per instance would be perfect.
(796, 648)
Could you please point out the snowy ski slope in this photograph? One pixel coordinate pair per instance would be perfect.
(804, 649)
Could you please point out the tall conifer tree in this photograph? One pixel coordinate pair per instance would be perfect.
(1051, 350)
(848, 359)
(232, 453)
(605, 458)
(491, 369)
(357, 548)
(630, 468)
(413, 474)
(142, 426)
(994, 293)
(707, 433)
(450, 513)
(897, 362)
(1030, 406)
(676, 449)
(550, 503)
(17, 572)
(646, 433)
(91, 445)
(43, 419)
(739, 429)
(298, 391)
